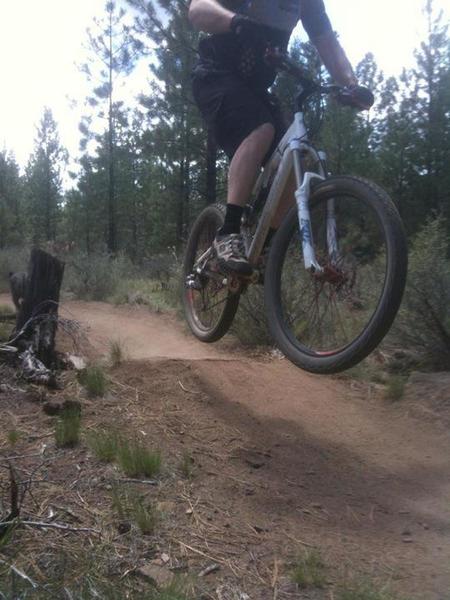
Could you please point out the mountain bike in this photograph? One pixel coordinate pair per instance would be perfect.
(336, 268)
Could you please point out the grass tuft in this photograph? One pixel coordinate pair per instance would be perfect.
(177, 590)
(104, 444)
(364, 590)
(116, 353)
(136, 459)
(13, 437)
(309, 571)
(133, 508)
(67, 429)
(395, 388)
(94, 380)
(187, 465)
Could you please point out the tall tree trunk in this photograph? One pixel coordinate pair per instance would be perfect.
(112, 226)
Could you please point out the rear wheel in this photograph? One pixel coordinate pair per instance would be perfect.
(209, 304)
(327, 322)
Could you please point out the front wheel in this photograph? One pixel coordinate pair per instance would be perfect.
(209, 305)
(328, 321)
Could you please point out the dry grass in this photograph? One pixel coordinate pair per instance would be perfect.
(135, 459)
(116, 353)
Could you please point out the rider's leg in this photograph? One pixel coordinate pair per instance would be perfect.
(244, 169)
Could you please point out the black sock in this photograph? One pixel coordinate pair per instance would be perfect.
(269, 237)
(232, 223)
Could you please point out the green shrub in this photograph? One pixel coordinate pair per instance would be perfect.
(104, 444)
(67, 429)
(135, 459)
(309, 571)
(6, 310)
(5, 331)
(423, 324)
(249, 324)
(94, 380)
(395, 387)
(12, 259)
(95, 276)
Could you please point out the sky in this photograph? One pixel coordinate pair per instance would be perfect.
(42, 41)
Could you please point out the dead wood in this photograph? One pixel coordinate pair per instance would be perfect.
(37, 319)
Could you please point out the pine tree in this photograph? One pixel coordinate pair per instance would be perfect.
(43, 180)
(179, 138)
(114, 51)
(11, 201)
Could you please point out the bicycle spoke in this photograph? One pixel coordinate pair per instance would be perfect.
(326, 310)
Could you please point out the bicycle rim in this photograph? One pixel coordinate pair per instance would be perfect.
(339, 315)
(209, 309)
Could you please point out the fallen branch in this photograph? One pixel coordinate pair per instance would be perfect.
(146, 481)
(44, 525)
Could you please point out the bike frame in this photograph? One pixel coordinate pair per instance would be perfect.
(287, 158)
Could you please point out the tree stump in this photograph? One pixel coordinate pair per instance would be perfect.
(37, 318)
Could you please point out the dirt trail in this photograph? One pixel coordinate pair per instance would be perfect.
(363, 479)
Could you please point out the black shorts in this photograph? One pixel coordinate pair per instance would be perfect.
(233, 110)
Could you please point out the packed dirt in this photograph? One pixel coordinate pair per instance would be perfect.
(285, 460)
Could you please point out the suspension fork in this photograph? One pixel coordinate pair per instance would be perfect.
(332, 239)
(302, 195)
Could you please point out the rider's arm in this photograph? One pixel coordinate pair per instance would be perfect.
(209, 16)
(317, 24)
(335, 59)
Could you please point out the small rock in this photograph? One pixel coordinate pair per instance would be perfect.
(52, 408)
(259, 529)
(76, 362)
(165, 558)
(156, 575)
(406, 532)
(407, 540)
(123, 527)
(255, 463)
(316, 505)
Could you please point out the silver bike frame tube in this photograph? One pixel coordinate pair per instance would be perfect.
(270, 207)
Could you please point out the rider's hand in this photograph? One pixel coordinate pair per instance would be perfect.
(359, 97)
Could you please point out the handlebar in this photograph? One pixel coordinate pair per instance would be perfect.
(355, 96)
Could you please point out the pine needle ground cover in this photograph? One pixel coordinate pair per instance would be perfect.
(199, 520)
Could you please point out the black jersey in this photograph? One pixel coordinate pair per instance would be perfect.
(223, 52)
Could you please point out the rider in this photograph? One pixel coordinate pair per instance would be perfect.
(230, 84)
